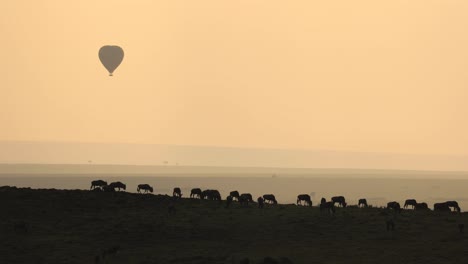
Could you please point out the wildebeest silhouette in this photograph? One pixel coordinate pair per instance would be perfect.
(260, 202)
(228, 201)
(234, 195)
(270, 198)
(118, 185)
(204, 194)
(328, 206)
(395, 206)
(454, 205)
(145, 187)
(196, 192)
(421, 206)
(409, 202)
(244, 201)
(245, 198)
(211, 195)
(97, 183)
(362, 202)
(177, 192)
(323, 200)
(340, 200)
(442, 207)
(215, 195)
(305, 198)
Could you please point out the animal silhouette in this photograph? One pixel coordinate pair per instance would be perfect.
(234, 195)
(340, 200)
(327, 206)
(245, 199)
(228, 201)
(323, 200)
(454, 205)
(97, 184)
(305, 198)
(177, 192)
(421, 206)
(261, 202)
(145, 187)
(442, 207)
(211, 195)
(395, 206)
(118, 185)
(362, 202)
(270, 198)
(196, 192)
(409, 202)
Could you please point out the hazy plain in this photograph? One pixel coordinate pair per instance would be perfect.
(377, 186)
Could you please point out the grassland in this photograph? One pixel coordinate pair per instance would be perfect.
(75, 226)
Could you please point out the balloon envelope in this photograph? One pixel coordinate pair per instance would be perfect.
(111, 57)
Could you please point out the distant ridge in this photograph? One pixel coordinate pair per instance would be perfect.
(206, 156)
(188, 171)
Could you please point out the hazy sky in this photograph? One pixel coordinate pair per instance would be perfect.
(382, 76)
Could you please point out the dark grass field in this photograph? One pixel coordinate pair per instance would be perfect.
(75, 226)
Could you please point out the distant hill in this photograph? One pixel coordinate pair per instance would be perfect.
(194, 171)
(205, 156)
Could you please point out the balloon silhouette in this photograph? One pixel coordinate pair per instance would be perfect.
(111, 57)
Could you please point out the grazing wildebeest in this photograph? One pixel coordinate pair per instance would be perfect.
(442, 207)
(329, 206)
(243, 201)
(453, 204)
(204, 194)
(340, 200)
(234, 194)
(395, 206)
(362, 202)
(214, 195)
(98, 183)
(211, 195)
(247, 197)
(411, 202)
(270, 198)
(261, 202)
(305, 198)
(196, 192)
(177, 192)
(144, 187)
(421, 206)
(118, 185)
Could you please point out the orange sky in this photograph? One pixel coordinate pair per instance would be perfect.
(381, 76)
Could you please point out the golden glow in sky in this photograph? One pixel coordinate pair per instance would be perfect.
(382, 76)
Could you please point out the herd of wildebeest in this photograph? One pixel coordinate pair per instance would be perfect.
(302, 199)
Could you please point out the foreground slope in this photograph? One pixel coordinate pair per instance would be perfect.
(75, 226)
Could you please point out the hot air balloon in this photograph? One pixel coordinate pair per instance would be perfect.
(111, 57)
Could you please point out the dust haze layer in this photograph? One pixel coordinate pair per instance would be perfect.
(176, 157)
